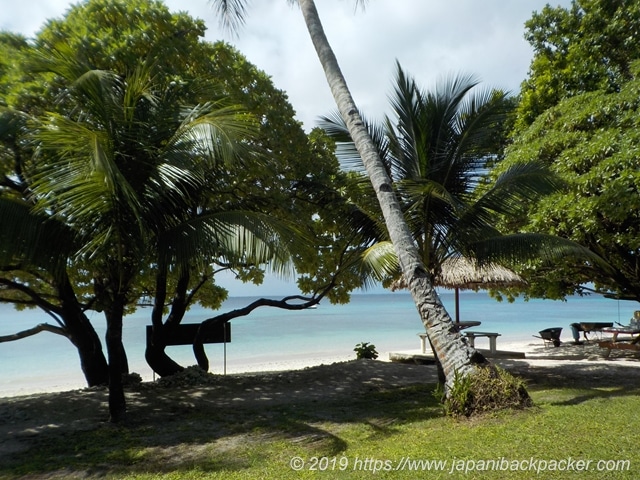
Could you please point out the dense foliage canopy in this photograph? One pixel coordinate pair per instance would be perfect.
(589, 46)
(592, 142)
(578, 114)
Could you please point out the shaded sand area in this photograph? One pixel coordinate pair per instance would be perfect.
(23, 419)
(578, 364)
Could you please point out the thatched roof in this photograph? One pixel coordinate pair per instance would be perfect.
(464, 273)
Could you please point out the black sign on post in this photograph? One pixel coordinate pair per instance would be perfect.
(185, 333)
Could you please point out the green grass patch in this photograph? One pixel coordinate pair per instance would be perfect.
(389, 432)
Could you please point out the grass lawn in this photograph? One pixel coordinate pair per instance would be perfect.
(380, 434)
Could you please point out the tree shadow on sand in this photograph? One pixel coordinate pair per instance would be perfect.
(222, 422)
(224, 425)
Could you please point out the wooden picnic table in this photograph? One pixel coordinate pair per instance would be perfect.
(492, 336)
(457, 325)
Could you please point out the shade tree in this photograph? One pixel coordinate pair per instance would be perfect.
(127, 158)
(591, 142)
(575, 115)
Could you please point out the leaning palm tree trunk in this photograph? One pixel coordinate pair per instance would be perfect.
(456, 357)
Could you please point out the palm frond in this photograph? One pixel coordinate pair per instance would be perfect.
(85, 180)
(237, 237)
(478, 121)
(139, 86)
(380, 261)
(33, 241)
(523, 247)
(97, 95)
(346, 151)
(58, 58)
(514, 189)
(232, 13)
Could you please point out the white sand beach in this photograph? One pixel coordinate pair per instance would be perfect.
(275, 341)
(569, 359)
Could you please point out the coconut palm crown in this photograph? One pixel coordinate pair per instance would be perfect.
(437, 149)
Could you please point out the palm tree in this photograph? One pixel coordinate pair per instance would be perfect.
(126, 168)
(438, 149)
(456, 357)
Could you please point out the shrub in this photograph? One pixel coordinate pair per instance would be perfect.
(366, 350)
(488, 389)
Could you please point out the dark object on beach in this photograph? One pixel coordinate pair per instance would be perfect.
(183, 334)
(551, 335)
(587, 327)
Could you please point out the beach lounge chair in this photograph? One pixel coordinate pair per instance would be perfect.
(616, 343)
(550, 336)
(609, 345)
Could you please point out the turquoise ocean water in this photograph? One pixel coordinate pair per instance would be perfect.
(269, 335)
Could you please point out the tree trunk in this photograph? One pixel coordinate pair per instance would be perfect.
(83, 336)
(211, 323)
(155, 354)
(117, 359)
(452, 351)
(92, 360)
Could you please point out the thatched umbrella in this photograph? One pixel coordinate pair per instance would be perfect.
(461, 273)
(465, 273)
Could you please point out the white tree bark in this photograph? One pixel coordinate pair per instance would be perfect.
(452, 351)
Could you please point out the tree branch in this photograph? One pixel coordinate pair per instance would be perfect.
(33, 331)
(38, 301)
(195, 289)
(284, 303)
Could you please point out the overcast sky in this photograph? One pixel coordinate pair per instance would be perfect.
(430, 38)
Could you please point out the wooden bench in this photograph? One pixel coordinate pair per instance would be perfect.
(471, 336)
(458, 326)
(185, 334)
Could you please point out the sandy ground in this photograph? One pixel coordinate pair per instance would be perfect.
(22, 418)
(582, 364)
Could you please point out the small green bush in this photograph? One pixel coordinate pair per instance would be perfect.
(488, 389)
(366, 350)
(131, 379)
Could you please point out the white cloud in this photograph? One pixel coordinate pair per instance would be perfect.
(429, 39)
